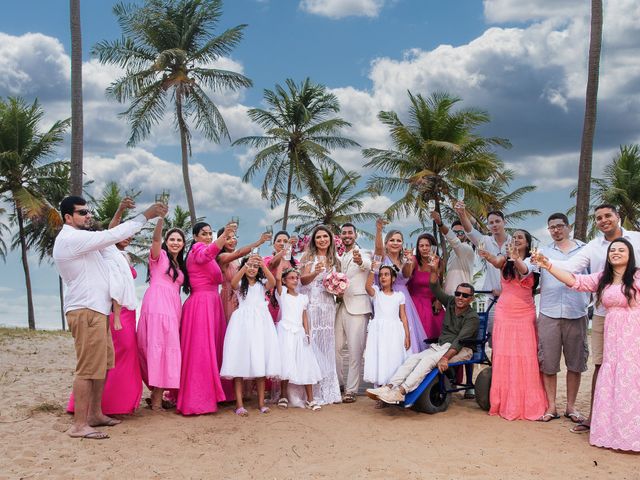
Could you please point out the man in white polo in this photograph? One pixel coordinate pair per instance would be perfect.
(593, 257)
(87, 304)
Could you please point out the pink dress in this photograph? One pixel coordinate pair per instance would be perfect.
(423, 299)
(615, 421)
(159, 327)
(202, 334)
(228, 295)
(517, 392)
(123, 385)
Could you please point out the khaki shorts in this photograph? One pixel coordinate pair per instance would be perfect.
(597, 338)
(94, 347)
(562, 335)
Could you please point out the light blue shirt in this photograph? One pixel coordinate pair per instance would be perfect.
(556, 299)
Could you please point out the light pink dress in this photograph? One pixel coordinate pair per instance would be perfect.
(202, 334)
(615, 421)
(159, 327)
(123, 385)
(228, 294)
(516, 392)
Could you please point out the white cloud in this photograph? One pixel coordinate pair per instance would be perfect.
(337, 9)
(497, 11)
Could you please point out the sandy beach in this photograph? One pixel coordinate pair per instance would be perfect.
(341, 441)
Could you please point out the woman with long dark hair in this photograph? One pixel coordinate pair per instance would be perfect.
(391, 253)
(517, 391)
(429, 309)
(615, 421)
(319, 259)
(203, 325)
(160, 314)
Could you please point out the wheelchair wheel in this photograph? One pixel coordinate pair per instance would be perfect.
(483, 387)
(432, 399)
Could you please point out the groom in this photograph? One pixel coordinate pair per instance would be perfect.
(353, 312)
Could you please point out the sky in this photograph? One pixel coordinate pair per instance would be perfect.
(524, 62)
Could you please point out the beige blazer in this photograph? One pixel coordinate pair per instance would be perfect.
(355, 298)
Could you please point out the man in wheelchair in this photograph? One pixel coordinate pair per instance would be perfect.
(460, 323)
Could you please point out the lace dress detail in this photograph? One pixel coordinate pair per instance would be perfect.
(322, 316)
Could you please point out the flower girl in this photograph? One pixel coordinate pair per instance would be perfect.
(251, 349)
(122, 289)
(299, 364)
(388, 336)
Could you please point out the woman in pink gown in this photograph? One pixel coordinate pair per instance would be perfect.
(282, 245)
(123, 385)
(429, 309)
(159, 324)
(517, 392)
(203, 325)
(615, 420)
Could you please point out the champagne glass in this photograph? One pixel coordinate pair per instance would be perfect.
(377, 261)
(431, 205)
(322, 259)
(269, 229)
(460, 195)
(235, 220)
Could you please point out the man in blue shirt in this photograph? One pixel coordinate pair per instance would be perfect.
(562, 323)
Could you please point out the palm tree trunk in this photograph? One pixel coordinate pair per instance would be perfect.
(185, 156)
(76, 99)
(61, 292)
(287, 200)
(25, 266)
(589, 127)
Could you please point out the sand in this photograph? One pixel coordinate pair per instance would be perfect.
(340, 441)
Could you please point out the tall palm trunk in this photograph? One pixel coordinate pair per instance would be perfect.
(25, 266)
(185, 156)
(287, 200)
(76, 99)
(61, 292)
(589, 127)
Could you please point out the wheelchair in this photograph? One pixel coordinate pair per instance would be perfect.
(433, 395)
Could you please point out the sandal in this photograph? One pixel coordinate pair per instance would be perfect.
(580, 428)
(241, 412)
(312, 406)
(283, 402)
(265, 409)
(380, 404)
(547, 417)
(349, 398)
(575, 417)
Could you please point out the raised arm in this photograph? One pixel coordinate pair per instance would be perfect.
(271, 281)
(379, 244)
(227, 257)
(229, 229)
(156, 241)
(368, 286)
(474, 235)
(564, 276)
(126, 204)
(497, 261)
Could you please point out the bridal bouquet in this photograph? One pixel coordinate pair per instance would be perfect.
(335, 283)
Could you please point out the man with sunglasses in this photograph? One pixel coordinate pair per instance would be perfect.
(87, 304)
(460, 323)
(462, 257)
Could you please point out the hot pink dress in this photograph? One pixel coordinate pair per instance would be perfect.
(202, 334)
(423, 299)
(159, 327)
(123, 385)
(228, 294)
(517, 391)
(615, 421)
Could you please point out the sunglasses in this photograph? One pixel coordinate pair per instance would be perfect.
(463, 295)
(83, 213)
(459, 233)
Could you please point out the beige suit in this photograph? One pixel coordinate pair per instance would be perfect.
(351, 320)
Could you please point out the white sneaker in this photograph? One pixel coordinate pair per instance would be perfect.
(393, 396)
(374, 393)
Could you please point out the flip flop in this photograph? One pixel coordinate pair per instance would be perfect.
(580, 428)
(547, 417)
(92, 436)
(575, 417)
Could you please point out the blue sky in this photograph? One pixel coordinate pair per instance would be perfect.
(524, 62)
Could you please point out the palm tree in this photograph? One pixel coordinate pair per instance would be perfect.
(435, 154)
(621, 185)
(167, 50)
(24, 179)
(4, 230)
(300, 130)
(333, 203)
(589, 127)
(76, 98)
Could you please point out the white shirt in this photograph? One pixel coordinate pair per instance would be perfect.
(556, 299)
(492, 274)
(82, 268)
(460, 263)
(594, 257)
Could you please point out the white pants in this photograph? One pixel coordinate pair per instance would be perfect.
(411, 373)
(353, 330)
